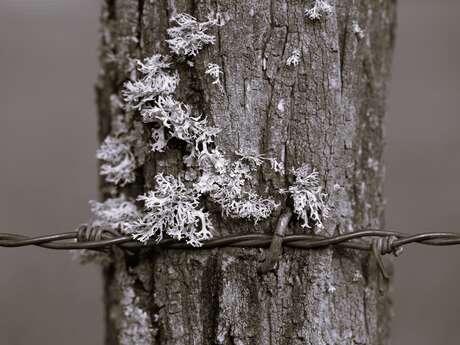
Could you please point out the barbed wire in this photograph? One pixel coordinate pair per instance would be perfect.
(382, 241)
(87, 238)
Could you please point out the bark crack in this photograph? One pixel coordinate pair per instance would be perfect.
(140, 24)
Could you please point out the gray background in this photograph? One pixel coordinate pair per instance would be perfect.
(48, 66)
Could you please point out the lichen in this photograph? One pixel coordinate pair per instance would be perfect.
(357, 276)
(156, 78)
(133, 322)
(179, 122)
(330, 288)
(294, 59)
(320, 8)
(230, 187)
(119, 162)
(136, 325)
(357, 30)
(309, 200)
(373, 164)
(280, 106)
(214, 71)
(189, 35)
(122, 153)
(114, 213)
(171, 209)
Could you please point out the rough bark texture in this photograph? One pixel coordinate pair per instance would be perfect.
(327, 111)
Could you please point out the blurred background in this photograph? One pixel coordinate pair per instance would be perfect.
(48, 66)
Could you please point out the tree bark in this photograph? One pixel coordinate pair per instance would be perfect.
(327, 111)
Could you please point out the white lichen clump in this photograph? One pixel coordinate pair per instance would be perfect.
(320, 8)
(189, 36)
(114, 213)
(157, 79)
(230, 187)
(358, 31)
(330, 288)
(119, 162)
(357, 276)
(125, 150)
(294, 59)
(179, 122)
(309, 200)
(122, 153)
(135, 325)
(214, 71)
(152, 97)
(258, 159)
(172, 209)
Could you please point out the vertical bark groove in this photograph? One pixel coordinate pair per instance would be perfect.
(327, 112)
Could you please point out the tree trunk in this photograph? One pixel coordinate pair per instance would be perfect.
(327, 111)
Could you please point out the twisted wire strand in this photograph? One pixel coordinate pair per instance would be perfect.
(384, 241)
